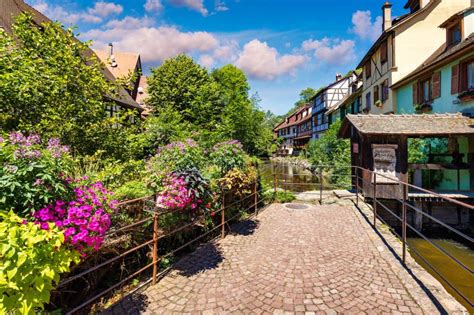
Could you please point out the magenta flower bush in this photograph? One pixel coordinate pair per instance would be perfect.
(85, 220)
(228, 155)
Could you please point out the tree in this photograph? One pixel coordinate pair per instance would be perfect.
(241, 117)
(49, 85)
(182, 85)
(305, 96)
(333, 151)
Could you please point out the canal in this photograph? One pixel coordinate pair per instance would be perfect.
(299, 179)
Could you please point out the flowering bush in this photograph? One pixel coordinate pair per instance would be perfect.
(32, 174)
(31, 261)
(239, 180)
(174, 157)
(227, 156)
(84, 220)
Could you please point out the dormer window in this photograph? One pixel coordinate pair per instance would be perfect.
(454, 34)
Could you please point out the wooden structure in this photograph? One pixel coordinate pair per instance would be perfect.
(380, 143)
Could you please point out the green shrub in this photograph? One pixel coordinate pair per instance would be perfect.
(132, 190)
(31, 261)
(284, 196)
(227, 156)
(240, 181)
(33, 174)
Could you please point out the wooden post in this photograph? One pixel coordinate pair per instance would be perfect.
(223, 215)
(404, 222)
(375, 200)
(255, 197)
(320, 186)
(357, 186)
(155, 245)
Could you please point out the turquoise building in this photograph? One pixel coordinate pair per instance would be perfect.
(444, 83)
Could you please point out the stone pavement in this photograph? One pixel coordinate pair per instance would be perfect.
(325, 259)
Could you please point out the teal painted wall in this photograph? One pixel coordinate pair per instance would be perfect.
(447, 103)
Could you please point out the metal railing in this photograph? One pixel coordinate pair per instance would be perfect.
(153, 243)
(357, 178)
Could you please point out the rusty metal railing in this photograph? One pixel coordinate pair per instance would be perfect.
(153, 243)
(354, 173)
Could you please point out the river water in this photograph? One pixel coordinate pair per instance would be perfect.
(298, 179)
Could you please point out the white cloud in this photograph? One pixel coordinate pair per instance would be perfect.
(331, 50)
(364, 27)
(153, 43)
(93, 14)
(129, 22)
(220, 6)
(153, 5)
(260, 61)
(206, 61)
(196, 5)
(104, 9)
(227, 51)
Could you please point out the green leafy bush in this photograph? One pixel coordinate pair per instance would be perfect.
(31, 261)
(174, 157)
(284, 196)
(240, 181)
(132, 190)
(32, 174)
(227, 156)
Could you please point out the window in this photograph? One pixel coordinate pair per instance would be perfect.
(454, 34)
(470, 76)
(384, 88)
(368, 69)
(368, 101)
(383, 52)
(376, 94)
(426, 91)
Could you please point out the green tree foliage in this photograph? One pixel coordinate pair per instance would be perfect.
(305, 96)
(189, 101)
(49, 84)
(333, 151)
(31, 261)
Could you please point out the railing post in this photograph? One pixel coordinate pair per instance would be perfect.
(223, 215)
(404, 222)
(255, 197)
(155, 245)
(275, 186)
(320, 186)
(375, 200)
(357, 186)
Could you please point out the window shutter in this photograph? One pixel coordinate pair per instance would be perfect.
(463, 77)
(436, 91)
(455, 79)
(415, 93)
(376, 93)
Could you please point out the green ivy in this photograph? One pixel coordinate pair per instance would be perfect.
(31, 261)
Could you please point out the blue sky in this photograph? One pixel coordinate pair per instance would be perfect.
(282, 46)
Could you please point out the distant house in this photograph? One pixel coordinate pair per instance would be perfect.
(350, 104)
(326, 99)
(444, 82)
(295, 131)
(10, 9)
(405, 43)
(125, 65)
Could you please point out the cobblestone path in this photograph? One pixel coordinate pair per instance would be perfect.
(325, 259)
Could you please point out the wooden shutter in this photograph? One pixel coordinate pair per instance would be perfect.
(415, 93)
(463, 77)
(455, 79)
(376, 93)
(383, 52)
(436, 90)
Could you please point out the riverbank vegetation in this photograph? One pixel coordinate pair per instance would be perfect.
(66, 164)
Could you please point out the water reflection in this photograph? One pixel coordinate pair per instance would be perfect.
(290, 177)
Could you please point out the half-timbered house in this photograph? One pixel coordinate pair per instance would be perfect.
(404, 44)
(326, 99)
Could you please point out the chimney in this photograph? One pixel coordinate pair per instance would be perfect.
(338, 76)
(111, 51)
(387, 16)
